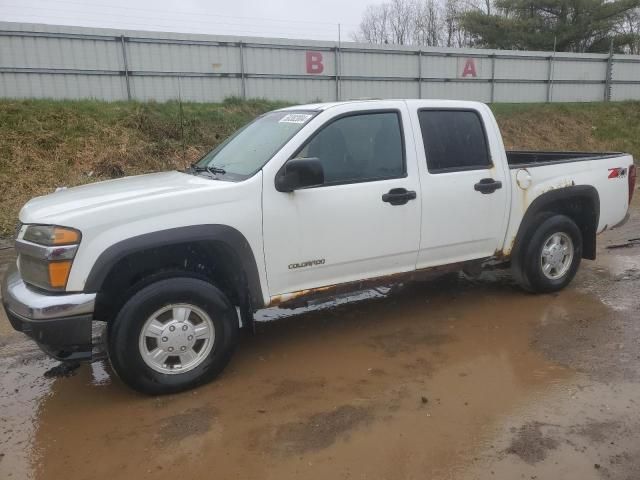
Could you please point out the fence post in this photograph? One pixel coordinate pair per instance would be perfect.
(243, 87)
(419, 73)
(550, 80)
(493, 78)
(336, 57)
(609, 74)
(126, 66)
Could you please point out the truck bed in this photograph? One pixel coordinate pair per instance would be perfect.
(519, 159)
(549, 171)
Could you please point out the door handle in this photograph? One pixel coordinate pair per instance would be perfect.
(399, 196)
(487, 185)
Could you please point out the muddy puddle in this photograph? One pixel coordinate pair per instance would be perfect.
(446, 379)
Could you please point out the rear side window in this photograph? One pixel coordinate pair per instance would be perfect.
(454, 140)
(359, 148)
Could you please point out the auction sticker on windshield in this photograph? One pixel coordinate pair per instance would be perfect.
(295, 118)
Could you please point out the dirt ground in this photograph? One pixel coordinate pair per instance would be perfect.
(449, 379)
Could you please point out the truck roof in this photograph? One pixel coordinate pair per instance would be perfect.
(323, 105)
(435, 102)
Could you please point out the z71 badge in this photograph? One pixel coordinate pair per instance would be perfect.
(308, 263)
(617, 172)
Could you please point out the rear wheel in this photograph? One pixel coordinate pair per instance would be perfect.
(552, 254)
(173, 335)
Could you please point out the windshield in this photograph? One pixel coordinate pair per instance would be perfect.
(247, 150)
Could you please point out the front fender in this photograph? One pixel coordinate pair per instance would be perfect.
(225, 234)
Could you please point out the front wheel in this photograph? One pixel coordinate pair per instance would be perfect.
(552, 254)
(173, 335)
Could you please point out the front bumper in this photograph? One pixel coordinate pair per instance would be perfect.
(60, 323)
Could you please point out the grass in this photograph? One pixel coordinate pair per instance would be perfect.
(611, 126)
(45, 144)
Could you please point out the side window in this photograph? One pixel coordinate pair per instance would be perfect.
(453, 140)
(359, 147)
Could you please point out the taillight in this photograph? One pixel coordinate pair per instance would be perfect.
(632, 181)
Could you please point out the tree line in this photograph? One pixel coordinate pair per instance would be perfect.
(563, 25)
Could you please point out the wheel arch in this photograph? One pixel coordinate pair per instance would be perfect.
(581, 203)
(218, 253)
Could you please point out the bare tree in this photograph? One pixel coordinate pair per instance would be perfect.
(401, 20)
(374, 26)
(451, 24)
(428, 23)
(427, 29)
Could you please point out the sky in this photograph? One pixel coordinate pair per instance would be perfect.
(305, 19)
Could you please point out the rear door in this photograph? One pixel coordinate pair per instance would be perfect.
(464, 190)
(364, 221)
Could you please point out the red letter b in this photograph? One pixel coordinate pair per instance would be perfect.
(314, 63)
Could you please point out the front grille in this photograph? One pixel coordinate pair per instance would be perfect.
(18, 227)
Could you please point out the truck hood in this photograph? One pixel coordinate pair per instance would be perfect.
(126, 193)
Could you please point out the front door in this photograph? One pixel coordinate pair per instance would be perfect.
(363, 222)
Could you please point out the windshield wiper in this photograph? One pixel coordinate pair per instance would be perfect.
(212, 170)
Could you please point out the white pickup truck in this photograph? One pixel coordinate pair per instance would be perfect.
(302, 202)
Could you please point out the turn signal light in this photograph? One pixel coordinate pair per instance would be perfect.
(59, 273)
(65, 236)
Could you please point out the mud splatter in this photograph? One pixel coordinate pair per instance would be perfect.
(407, 340)
(321, 429)
(530, 444)
(289, 387)
(598, 432)
(63, 369)
(629, 274)
(194, 421)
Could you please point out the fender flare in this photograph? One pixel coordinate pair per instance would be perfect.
(224, 234)
(541, 204)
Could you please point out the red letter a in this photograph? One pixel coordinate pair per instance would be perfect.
(469, 68)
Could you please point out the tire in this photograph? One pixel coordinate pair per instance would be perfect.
(203, 323)
(540, 253)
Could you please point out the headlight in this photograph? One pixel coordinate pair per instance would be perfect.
(45, 255)
(51, 235)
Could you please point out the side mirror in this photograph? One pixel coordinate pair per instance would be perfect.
(299, 173)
